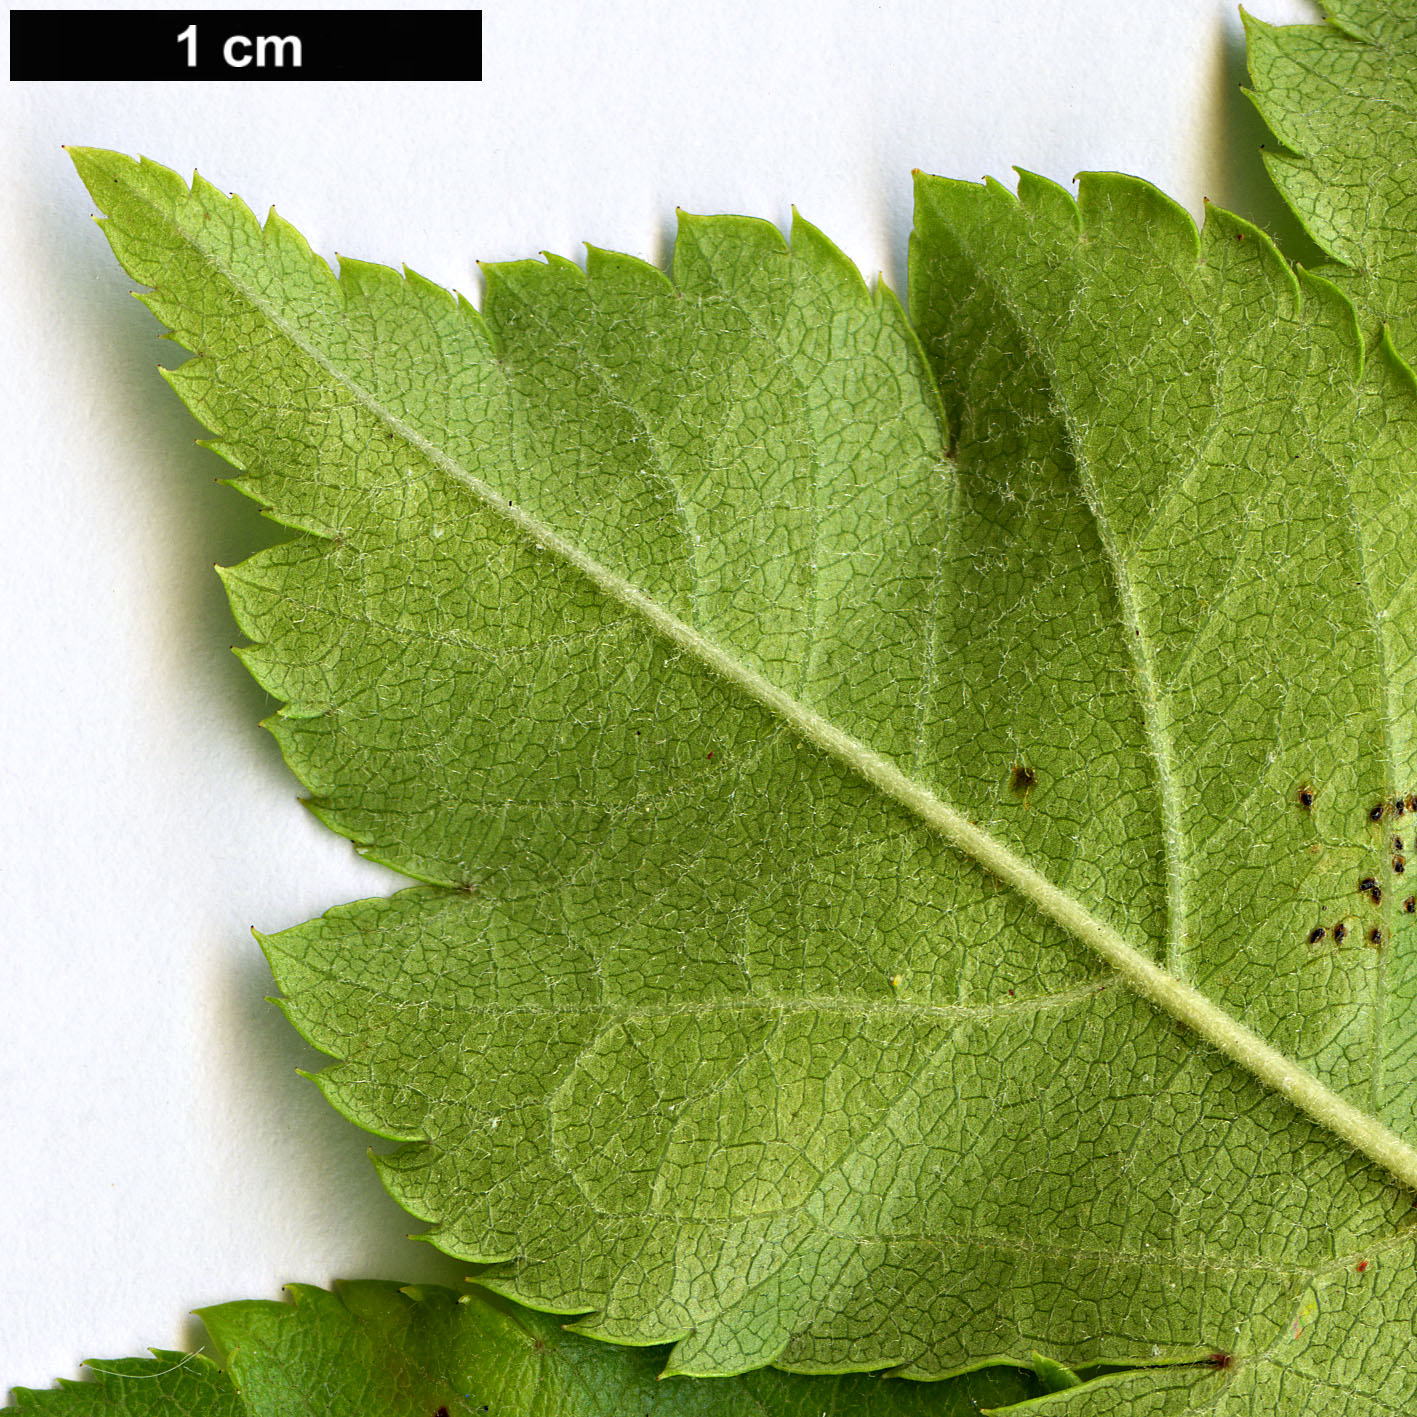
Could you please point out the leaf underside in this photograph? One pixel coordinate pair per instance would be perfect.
(613, 614)
(1342, 99)
(373, 1349)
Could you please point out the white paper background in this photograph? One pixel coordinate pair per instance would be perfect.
(160, 1151)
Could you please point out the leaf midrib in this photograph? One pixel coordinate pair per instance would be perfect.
(1184, 1003)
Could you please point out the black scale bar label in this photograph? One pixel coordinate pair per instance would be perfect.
(359, 45)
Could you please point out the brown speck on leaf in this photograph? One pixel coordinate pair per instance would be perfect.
(1317, 934)
(1306, 797)
(1375, 936)
(1340, 932)
(1361, 1266)
(1222, 1360)
(1022, 780)
(1410, 905)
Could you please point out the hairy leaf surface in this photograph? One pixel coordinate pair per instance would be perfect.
(1227, 513)
(872, 845)
(373, 1349)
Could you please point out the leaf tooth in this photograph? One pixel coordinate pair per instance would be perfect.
(348, 1089)
(310, 1027)
(284, 239)
(228, 453)
(407, 1175)
(637, 277)
(1228, 237)
(510, 288)
(514, 1275)
(360, 280)
(431, 290)
(829, 261)
(1047, 199)
(997, 190)
(181, 328)
(1326, 305)
(943, 193)
(196, 382)
(249, 585)
(275, 676)
(696, 238)
(1117, 208)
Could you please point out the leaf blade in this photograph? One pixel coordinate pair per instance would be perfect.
(371, 1348)
(765, 1271)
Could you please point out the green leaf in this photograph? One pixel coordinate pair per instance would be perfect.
(840, 835)
(1202, 433)
(373, 1349)
(132, 1387)
(1342, 97)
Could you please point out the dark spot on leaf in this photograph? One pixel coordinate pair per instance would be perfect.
(1022, 780)
(1340, 932)
(1316, 934)
(1306, 797)
(1361, 1266)
(1399, 864)
(1368, 883)
(710, 757)
(441, 1412)
(1375, 936)
(1410, 905)
(1397, 843)
(1375, 814)
(1411, 802)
